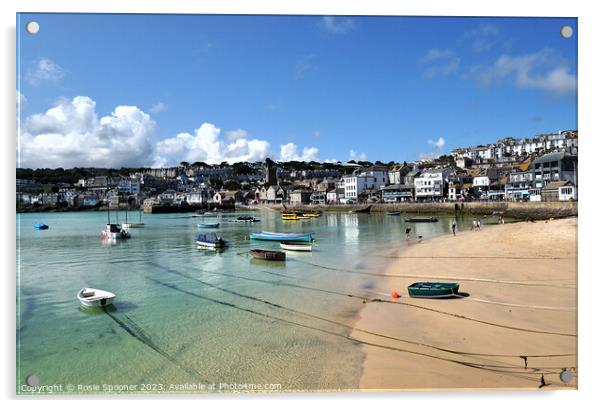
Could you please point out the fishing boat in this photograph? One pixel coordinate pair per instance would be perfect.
(293, 246)
(281, 237)
(210, 241)
(246, 218)
(268, 255)
(434, 290)
(421, 219)
(114, 231)
(393, 212)
(40, 226)
(91, 297)
(208, 225)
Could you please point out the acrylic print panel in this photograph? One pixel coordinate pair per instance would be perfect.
(220, 203)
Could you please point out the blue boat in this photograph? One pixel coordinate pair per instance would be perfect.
(433, 290)
(40, 226)
(208, 225)
(210, 241)
(281, 237)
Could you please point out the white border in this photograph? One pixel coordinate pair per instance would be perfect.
(589, 228)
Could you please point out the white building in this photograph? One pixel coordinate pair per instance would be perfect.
(372, 178)
(432, 184)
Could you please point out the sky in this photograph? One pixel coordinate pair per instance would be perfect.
(108, 90)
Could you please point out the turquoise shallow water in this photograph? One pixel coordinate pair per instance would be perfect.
(184, 315)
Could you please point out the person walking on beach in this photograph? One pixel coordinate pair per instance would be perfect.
(479, 224)
(408, 230)
(474, 224)
(454, 229)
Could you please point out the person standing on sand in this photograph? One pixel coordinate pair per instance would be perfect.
(479, 224)
(454, 229)
(474, 224)
(408, 230)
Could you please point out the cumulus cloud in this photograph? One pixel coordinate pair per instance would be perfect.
(543, 70)
(290, 151)
(353, 155)
(437, 149)
(207, 145)
(337, 25)
(71, 134)
(236, 134)
(44, 69)
(437, 62)
(159, 107)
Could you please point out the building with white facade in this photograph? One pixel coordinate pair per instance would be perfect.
(432, 184)
(372, 178)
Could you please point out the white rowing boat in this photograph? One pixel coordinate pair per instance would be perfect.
(289, 246)
(91, 297)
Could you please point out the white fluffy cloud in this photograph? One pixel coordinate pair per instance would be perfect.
(353, 155)
(438, 145)
(159, 107)
(207, 145)
(290, 151)
(44, 69)
(543, 70)
(71, 134)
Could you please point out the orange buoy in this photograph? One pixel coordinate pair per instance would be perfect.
(395, 295)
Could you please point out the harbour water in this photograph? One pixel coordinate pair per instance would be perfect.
(187, 316)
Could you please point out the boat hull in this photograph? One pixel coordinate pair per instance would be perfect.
(421, 219)
(270, 236)
(267, 255)
(433, 290)
(293, 247)
(208, 225)
(100, 298)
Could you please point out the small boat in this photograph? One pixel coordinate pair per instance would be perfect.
(293, 217)
(208, 225)
(91, 297)
(421, 219)
(246, 218)
(292, 246)
(210, 241)
(40, 226)
(393, 212)
(434, 290)
(201, 213)
(312, 213)
(113, 231)
(275, 236)
(268, 255)
(364, 210)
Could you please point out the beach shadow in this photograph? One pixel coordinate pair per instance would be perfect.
(462, 295)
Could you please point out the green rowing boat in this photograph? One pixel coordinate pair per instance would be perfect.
(434, 290)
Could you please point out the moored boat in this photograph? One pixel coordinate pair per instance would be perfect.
(433, 290)
(267, 255)
(210, 241)
(246, 218)
(91, 297)
(293, 246)
(208, 225)
(114, 231)
(364, 210)
(393, 212)
(421, 219)
(282, 237)
(40, 226)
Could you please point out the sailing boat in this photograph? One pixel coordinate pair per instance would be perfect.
(139, 224)
(114, 231)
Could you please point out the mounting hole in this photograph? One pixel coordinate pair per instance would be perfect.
(566, 31)
(32, 380)
(32, 27)
(566, 376)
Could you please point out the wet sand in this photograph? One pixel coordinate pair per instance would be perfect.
(520, 280)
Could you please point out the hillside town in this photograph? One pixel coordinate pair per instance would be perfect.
(540, 168)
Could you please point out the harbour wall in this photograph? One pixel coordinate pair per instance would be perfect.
(519, 210)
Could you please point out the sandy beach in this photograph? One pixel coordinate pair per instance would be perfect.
(516, 328)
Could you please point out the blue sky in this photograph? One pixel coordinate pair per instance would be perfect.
(302, 87)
